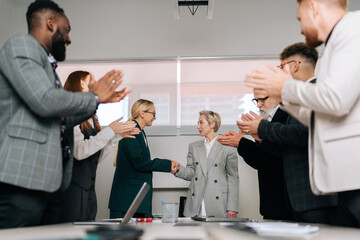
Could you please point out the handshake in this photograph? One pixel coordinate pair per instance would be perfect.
(174, 166)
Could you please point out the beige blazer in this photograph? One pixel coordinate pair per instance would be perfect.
(334, 139)
(214, 178)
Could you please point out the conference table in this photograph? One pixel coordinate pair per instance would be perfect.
(184, 229)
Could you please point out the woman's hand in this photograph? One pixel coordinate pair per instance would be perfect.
(174, 166)
(125, 130)
(231, 214)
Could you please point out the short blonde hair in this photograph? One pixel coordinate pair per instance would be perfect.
(138, 106)
(212, 117)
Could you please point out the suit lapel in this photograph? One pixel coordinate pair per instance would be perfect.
(214, 152)
(280, 116)
(202, 155)
(142, 140)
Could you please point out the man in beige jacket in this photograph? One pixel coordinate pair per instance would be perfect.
(331, 107)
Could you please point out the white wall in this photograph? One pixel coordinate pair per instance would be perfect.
(113, 29)
(146, 28)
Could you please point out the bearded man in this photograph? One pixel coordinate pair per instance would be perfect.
(37, 117)
(273, 202)
(331, 107)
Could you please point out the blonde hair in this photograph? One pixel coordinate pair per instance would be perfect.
(212, 117)
(139, 106)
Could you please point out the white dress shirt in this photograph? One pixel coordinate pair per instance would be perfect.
(208, 146)
(271, 115)
(105, 140)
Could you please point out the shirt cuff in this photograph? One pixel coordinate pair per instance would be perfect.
(96, 99)
(108, 132)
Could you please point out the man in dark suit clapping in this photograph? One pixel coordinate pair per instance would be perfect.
(273, 201)
(293, 137)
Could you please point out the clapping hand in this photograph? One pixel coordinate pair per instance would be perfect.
(231, 139)
(105, 87)
(250, 124)
(125, 130)
(267, 82)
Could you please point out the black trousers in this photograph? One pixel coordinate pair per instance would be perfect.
(21, 207)
(324, 215)
(78, 204)
(348, 213)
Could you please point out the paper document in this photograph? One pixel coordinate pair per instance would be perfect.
(282, 228)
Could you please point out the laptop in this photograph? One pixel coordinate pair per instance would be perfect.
(219, 219)
(130, 212)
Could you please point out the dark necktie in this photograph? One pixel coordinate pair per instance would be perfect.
(312, 119)
(64, 143)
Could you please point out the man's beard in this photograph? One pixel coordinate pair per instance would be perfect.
(265, 113)
(58, 46)
(311, 38)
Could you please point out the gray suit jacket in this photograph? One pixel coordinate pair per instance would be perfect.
(30, 111)
(335, 100)
(214, 178)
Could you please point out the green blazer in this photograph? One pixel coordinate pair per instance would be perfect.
(134, 167)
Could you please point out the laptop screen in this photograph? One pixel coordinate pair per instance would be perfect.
(130, 212)
(136, 203)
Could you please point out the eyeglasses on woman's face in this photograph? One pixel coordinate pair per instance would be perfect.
(153, 113)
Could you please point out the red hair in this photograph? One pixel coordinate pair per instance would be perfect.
(73, 84)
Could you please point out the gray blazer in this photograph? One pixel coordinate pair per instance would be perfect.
(30, 111)
(214, 178)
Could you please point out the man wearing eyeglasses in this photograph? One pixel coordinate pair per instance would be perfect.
(331, 107)
(273, 201)
(293, 138)
(267, 107)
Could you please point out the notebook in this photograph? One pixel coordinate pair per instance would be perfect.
(219, 219)
(130, 212)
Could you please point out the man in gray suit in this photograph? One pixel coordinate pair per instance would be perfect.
(293, 138)
(331, 107)
(37, 117)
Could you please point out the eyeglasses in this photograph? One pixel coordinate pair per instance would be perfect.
(281, 66)
(153, 113)
(256, 100)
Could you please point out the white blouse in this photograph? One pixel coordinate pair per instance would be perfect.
(105, 140)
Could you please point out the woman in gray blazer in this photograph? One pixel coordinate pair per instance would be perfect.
(212, 169)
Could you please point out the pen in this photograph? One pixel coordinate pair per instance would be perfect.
(112, 219)
(144, 219)
(167, 208)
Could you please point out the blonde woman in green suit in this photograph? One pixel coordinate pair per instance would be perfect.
(134, 165)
